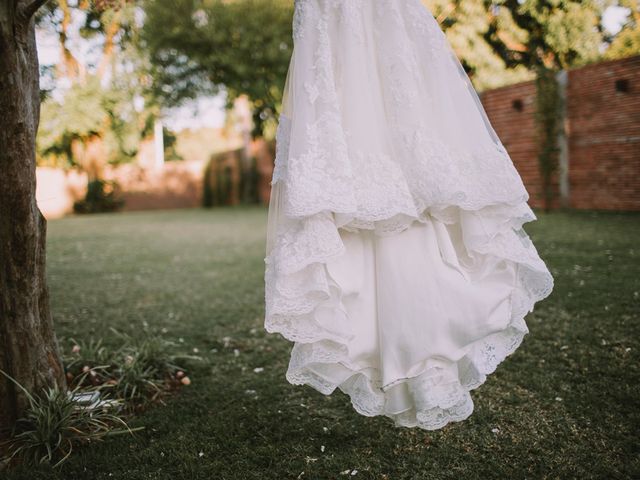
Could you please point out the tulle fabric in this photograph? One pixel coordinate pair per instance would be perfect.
(396, 261)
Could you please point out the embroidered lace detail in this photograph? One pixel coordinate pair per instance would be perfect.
(299, 286)
(323, 179)
(283, 135)
(324, 169)
(333, 174)
(300, 14)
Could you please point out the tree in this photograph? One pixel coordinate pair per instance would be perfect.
(627, 41)
(466, 25)
(553, 34)
(28, 346)
(546, 36)
(101, 112)
(205, 46)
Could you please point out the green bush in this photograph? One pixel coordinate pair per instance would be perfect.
(136, 373)
(54, 423)
(102, 196)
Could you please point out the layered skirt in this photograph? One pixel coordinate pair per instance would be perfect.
(396, 259)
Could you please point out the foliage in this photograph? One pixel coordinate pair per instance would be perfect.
(135, 382)
(208, 192)
(88, 110)
(89, 363)
(170, 142)
(627, 41)
(549, 106)
(102, 196)
(224, 181)
(54, 424)
(155, 352)
(102, 102)
(555, 34)
(136, 373)
(220, 182)
(205, 46)
(466, 25)
(249, 183)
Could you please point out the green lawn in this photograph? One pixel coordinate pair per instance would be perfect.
(567, 403)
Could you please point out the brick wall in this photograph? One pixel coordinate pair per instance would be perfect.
(603, 127)
(178, 184)
(604, 135)
(174, 185)
(511, 112)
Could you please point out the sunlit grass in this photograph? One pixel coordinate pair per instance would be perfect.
(565, 405)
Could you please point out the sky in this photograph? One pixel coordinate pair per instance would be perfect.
(209, 111)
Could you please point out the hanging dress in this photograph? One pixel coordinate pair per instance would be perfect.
(396, 260)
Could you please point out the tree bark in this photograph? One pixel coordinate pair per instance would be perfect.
(28, 346)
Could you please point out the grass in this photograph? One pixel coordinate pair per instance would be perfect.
(566, 404)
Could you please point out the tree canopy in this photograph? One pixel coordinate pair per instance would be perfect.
(176, 50)
(627, 41)
(98, 98)
(203, 46)
(244, 46)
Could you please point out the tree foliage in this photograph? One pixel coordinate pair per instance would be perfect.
(467, 25)
(549, 126)
(550, 33)
(101, 103)
(627, 41)
(205, 46)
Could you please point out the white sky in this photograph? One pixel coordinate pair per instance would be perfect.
(614, 18)
(209, 111)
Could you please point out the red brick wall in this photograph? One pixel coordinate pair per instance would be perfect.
(603, 135)
(511, 112)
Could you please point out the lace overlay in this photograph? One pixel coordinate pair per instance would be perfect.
(383, 133)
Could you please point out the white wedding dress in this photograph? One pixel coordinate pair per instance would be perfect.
(396, 260)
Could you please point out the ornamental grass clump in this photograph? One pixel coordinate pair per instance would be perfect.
(55, 423)
(137, 373)
(106, 384)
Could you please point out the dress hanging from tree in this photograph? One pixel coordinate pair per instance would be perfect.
(396, 260)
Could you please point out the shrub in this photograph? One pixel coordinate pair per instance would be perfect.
(136, 373)
(102, 196)
(54, 423)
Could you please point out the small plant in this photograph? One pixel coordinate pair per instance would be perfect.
(135, 382)
(137, 373)
(89, 361)
(102, 196)
(55, 423)
(156, 353)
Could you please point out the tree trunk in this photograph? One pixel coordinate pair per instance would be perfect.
(28, 347)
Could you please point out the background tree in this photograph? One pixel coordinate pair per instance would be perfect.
(554, 34)
(207, 46)
(467, 25)
(28, 346)
(102, 109)
(627, 41)
(546, 36)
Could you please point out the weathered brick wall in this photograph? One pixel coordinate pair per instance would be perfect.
(604, 135)
(511, 112)
(603, 120)
(603, 127)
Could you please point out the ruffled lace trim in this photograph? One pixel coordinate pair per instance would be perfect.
(298, 286)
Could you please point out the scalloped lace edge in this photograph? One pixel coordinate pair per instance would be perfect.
(440, 394)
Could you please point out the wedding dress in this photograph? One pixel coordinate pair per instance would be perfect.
(396, 261)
